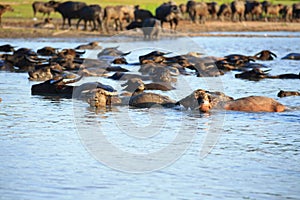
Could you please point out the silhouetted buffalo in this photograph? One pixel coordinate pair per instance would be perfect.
(69, 10)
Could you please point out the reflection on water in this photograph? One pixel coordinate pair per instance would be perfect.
(43, 140)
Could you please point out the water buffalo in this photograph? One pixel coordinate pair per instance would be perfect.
(238, 10)
(272, 11)
(3, 9)
(91, 13)
(257, 74)
(197, 9)
(253, 10)
(136, 83)
(205, 101)
(118, 14)
(287, 13)
(296, 10)
(141, 99)
(60, 88)
(47, 51)
(151, 28)
(141, 14)
(43, 7)
(91, 45)
(168, 12)
(292, 56)
(7, 48)
(282, 93)
(265, 55)
(213, 9)
(69, 10)
(21, 59)
(224, 11)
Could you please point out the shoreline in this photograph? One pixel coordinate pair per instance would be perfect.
(26, 29)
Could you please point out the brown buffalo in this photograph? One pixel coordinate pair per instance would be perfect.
(205, 101)
(3, 9)
(282, 93)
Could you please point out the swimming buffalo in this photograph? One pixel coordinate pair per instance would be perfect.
(61, 88)
(282, 93)
(204, 101)
(265, 55)
(3, 9)
(91, 13)
(69, 10)
(292, 56)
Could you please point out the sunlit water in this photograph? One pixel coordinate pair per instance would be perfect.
(44, 152)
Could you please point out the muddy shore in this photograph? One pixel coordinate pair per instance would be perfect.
(13, 28)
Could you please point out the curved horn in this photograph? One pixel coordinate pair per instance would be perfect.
(73, 80)
(273, 54)
(80, 52)
(36, 61)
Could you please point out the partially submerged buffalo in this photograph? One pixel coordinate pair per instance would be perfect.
(292, 56)
(61, 88)
(282, 93)
(204, 101)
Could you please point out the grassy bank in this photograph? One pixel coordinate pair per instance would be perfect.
(23, 8)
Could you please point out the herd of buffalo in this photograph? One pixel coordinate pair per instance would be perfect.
(56, 69)
(170, 12)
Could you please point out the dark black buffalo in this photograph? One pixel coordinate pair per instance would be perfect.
(60, 88)
(197, 9)
(69, 10)
(151, 27)
(168, 12)
(91, 13)
(43, 7)
(141, 14)
(296, 10)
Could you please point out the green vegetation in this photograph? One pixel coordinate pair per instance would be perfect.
(23, 9)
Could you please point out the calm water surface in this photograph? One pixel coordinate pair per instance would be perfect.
(44, 154)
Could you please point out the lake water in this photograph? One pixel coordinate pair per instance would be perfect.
(61, 149)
